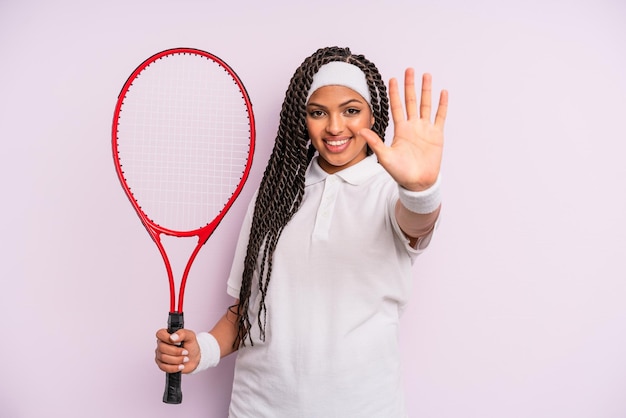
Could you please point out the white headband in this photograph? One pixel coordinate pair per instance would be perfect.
(339, 73)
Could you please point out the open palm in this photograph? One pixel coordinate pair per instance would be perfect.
(414, 157)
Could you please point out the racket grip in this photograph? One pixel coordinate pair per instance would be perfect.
(173, 392)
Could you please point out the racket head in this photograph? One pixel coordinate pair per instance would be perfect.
(183, 140)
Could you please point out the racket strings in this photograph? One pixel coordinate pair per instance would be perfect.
(183, 140)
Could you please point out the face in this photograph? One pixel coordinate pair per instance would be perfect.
(334, 115)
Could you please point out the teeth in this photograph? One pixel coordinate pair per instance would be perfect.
(337, 143)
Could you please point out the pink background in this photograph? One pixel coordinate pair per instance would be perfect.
(518, 308)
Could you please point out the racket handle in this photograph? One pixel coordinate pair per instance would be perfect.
(173, 393)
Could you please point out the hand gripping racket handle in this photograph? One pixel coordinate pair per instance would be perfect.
(173, 393)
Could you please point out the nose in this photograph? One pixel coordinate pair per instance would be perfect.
(335, 124)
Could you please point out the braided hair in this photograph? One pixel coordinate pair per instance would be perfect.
(282, 186)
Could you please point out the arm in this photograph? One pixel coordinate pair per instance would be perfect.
(414, 157)
(226, 330)
(416, 226)
(417, 213)
(185, 350)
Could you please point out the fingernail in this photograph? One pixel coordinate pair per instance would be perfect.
(184, 353)
(181, 367)
(174, 337)
(186, 359)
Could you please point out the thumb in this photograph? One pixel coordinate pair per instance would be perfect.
(374, 141)
(182, 336)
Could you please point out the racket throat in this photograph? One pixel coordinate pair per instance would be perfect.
(175, 322)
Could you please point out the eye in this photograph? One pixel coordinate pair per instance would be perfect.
(352, 111)
(316, 114)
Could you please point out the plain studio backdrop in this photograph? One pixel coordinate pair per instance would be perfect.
(518, 308)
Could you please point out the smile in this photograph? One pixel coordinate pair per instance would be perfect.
(337, 143)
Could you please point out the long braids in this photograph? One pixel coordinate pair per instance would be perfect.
(282, 186)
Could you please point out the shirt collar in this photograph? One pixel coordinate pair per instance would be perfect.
(355, 174)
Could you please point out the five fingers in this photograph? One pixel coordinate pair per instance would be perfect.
(410, 100)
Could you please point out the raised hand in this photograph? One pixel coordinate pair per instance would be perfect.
(414, 157)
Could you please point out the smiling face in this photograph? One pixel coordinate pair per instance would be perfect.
(334, 115)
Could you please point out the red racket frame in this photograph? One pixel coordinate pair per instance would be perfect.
(155, 230)
(173, 393)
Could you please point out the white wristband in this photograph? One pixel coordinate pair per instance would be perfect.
(426, 201)
(209, 352)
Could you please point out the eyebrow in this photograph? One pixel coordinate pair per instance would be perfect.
(347, 102)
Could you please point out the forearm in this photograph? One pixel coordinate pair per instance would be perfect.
(415, 225)
(219, 342)
(417, 212)
(226, 331)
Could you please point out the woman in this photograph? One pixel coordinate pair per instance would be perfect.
(322, 270)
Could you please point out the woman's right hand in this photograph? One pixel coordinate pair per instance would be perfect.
(177, 352)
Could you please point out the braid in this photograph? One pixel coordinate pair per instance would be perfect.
(282, 186)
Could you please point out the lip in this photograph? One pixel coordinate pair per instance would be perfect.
(337, 144)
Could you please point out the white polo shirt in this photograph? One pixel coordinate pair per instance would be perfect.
(340, 281)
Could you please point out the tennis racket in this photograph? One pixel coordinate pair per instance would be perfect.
(183, 140)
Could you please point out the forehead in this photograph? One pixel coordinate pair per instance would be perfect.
(329, 95)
